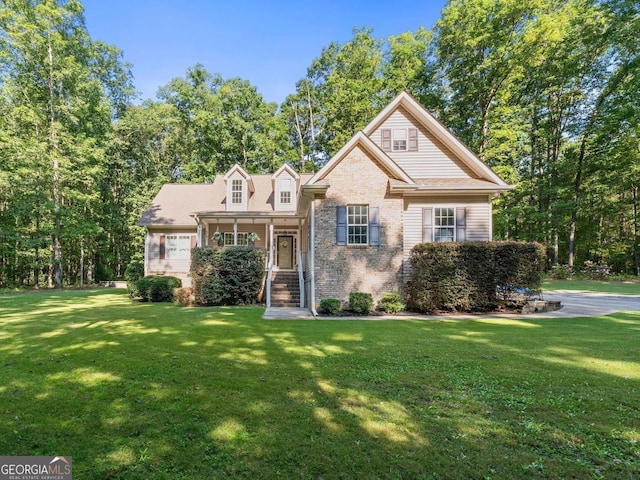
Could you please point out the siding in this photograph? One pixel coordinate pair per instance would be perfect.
(156, 266)
(432, 160)
(478, 221)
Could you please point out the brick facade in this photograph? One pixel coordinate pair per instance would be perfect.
(342, 269)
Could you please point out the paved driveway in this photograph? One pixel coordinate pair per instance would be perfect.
(587, 304)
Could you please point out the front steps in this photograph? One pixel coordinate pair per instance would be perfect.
(285, 290)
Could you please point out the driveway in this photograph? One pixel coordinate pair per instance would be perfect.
(588, 304)
(574, 304)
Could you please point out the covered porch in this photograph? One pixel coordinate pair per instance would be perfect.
(282, 236)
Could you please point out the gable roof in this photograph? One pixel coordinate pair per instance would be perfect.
(429, 122)
(360, 139)
(237, 168)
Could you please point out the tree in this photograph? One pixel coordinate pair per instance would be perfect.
(60, 92)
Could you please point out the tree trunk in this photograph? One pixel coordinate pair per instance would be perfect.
(54, 151)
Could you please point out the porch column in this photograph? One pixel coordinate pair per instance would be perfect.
(206, 235)
(235, 232)
(271, 249)
(199, 242)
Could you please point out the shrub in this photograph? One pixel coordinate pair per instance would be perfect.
(391, 302)
(361, 302)
(596, 271)
(183, 297)
(156, 288)
(467, 276)
(134, 270)
(330, 306)
(227, 276)
(561, 272)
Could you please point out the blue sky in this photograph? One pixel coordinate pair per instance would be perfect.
(269, 43)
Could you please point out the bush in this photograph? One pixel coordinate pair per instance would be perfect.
(330, 306)
(596, 271)
(134, 270)
(391, 302)
(468, 276)
(361, 302)
(155, 288)
(227, 276)
(183, 297)
(561, 272)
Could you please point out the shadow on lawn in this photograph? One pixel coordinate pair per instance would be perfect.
(156, 391)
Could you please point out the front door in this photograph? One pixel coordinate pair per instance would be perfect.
(285, 252)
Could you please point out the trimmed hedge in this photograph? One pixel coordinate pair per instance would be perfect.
(154, 288)
(468, 276)
(330, 306)
(391, 302)
(227, 276)
(361, 302)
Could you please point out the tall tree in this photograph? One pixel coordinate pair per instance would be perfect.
(59, 88)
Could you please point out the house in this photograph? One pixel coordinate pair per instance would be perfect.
(402, 180)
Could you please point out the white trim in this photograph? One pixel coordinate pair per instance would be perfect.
(312, 261)
(428, 121)
(361, 139)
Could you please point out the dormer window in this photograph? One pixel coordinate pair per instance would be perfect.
(236, 191)
(285, 191)
(285, 184)
(239, 189)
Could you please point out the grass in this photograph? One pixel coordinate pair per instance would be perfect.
(138, 391)
(628, 287)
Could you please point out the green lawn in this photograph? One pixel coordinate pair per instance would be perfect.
(628, 287)
(139, 391)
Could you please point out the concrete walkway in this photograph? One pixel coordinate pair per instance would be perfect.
(574, 304)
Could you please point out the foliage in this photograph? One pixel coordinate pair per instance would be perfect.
(391, 302)
(596, 271)
(166, 387)
(227, 276)
(184, 297)
(361, 303)
(561, 272)
(155, 288)
(59, 93)
(330, 306)
(134, 270)
(467, 276)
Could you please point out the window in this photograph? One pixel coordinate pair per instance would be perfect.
(243, 239)
(285, 191)
(444, 225)
(236, 191)
(399, 139)
(357, 225)
(177, 247)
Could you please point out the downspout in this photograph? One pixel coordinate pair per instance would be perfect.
(312, 253)
(146, 251)
(269, 265)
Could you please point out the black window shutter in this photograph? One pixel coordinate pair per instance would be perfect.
(341, 225)
(413, 139)
(162, 249)
(427, 224)
(461, 224)
(386, 139)
(374, 226)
